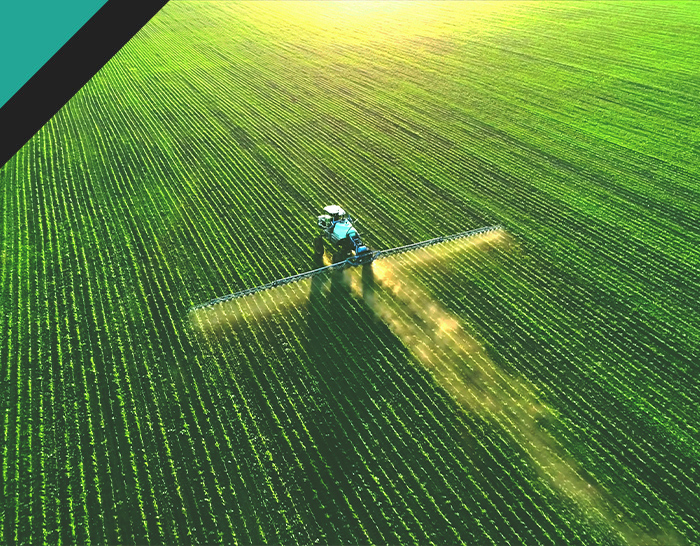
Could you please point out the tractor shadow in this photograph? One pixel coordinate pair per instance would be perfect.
(369, 408)
(359, 387)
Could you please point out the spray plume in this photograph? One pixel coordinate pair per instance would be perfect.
(441, 342)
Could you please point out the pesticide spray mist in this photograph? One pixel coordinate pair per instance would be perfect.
(225, 317)
(441, 342)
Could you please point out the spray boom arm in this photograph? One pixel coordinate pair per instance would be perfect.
(366, 258)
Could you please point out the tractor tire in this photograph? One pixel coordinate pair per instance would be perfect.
(318, 246)
(346, 246)
(340, 254)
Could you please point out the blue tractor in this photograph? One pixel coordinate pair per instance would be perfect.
(337, 228)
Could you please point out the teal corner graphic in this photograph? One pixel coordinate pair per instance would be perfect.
(31, 32)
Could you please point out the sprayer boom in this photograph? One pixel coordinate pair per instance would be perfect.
(358, 259)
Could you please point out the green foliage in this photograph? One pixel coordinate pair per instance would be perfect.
(193, 166)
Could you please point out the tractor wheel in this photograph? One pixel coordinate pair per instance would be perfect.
(346, 246)
(318, 246)
(341, 254)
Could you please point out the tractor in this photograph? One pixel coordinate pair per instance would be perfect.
(338, 229)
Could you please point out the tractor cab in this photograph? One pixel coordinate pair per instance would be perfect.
(335, 212)
(334, 215)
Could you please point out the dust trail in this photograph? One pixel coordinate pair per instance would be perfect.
(441, 342)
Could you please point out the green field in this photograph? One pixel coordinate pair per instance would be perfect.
(538, 387)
